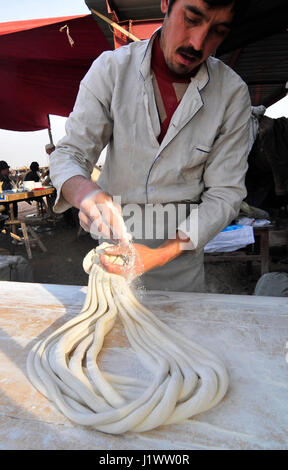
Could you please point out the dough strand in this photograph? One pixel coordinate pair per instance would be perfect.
(187, 378)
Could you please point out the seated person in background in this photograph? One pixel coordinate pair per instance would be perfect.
(7, 184)
(5, 179)
(33, 174)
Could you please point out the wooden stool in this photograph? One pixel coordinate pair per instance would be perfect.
(26, 227)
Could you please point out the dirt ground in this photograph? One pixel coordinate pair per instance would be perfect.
(66, 248)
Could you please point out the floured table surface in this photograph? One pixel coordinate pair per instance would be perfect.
(249, 333)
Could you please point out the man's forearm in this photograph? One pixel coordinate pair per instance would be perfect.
(75, 189)
(162, 255)
(172, 249)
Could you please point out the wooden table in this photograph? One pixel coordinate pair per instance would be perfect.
(249, 333)
(10, 197)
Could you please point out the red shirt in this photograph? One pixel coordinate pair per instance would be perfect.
(168, 92)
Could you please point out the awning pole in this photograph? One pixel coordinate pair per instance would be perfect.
(49, 131)
(115, 25)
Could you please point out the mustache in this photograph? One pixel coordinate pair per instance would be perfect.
(190, 51)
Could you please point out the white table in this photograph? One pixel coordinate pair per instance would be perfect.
(249, 333)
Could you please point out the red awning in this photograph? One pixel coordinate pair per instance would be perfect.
(40, 70)
(16, 26)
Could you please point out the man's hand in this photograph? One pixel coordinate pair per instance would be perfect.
(102, 217)
(139, 259)
(98, 213)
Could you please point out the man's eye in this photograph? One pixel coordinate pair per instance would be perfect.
(221, 32)
(191, 20)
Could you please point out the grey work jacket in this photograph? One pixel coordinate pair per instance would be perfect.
(202, 158)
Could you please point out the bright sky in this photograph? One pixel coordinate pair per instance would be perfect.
(21, 148)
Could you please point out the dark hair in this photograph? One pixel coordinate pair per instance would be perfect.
(34, 166)
(3, 165)
(238, 8)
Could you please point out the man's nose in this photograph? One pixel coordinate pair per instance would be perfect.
(198, 37)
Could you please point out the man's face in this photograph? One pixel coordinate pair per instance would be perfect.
(5, 172)
(192, 32)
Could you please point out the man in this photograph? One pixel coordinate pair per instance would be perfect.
(49, 148)
(176, 122)
(4, 176)
(33, 174)
(7, 184)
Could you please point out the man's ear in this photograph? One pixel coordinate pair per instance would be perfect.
(164, 6)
